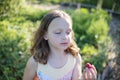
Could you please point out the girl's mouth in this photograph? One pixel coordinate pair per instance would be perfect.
(65, 43)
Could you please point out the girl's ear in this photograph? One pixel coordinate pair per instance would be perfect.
(45, 36)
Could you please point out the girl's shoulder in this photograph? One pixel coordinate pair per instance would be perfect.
(31, 62)
(30, 69)
(31, 65)
(77, 73)
(78, 59)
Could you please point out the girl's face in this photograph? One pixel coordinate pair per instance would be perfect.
(59, 34)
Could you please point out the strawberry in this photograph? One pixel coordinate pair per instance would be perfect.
(88, 65)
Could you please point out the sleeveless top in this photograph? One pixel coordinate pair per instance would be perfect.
(47, 72)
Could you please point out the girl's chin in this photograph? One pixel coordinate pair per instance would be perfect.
(63, 48)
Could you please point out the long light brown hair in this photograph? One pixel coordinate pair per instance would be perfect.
(40, 48)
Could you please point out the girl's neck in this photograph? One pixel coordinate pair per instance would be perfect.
(55, 53)
(57, 59)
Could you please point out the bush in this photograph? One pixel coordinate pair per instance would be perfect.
(91, 31)
(15, 32)
(13, 45)
(9, 7)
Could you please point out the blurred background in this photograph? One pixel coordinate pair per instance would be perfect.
(96, 24)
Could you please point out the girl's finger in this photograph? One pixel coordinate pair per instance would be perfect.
(85, 75)
(94, 69)
(88, 74)
(93, 74)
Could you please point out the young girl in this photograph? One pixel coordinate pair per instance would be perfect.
(55, 53)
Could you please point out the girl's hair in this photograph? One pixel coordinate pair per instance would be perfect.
(40, 48)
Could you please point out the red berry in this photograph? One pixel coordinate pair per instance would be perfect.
(88, 65)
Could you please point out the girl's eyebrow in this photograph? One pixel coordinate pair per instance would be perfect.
(59, 29)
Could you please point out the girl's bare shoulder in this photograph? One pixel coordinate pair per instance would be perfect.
(78, 58)
(31, 62)
(30, 69)
(77, 72)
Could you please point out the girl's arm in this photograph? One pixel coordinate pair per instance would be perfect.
(88, 74)
(77, 73)
(30, 69)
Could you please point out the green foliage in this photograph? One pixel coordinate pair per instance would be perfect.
(15, 35)
(90, 28)
(89, 50)
(91, 31)
(9, 7)
(16, 31)
(89, 2)
(13, 44)
(109, 4)
(31, 13)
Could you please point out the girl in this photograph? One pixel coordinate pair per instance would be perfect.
(55, 53)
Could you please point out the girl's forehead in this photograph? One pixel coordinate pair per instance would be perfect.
(60, 23)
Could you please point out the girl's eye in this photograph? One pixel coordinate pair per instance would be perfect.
(68, 32)
(57, 32)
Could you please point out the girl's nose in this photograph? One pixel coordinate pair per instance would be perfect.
(64, 36)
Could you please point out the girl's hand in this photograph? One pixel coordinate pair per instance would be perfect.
(90, 72)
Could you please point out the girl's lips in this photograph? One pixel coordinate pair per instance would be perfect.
(65, 43)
